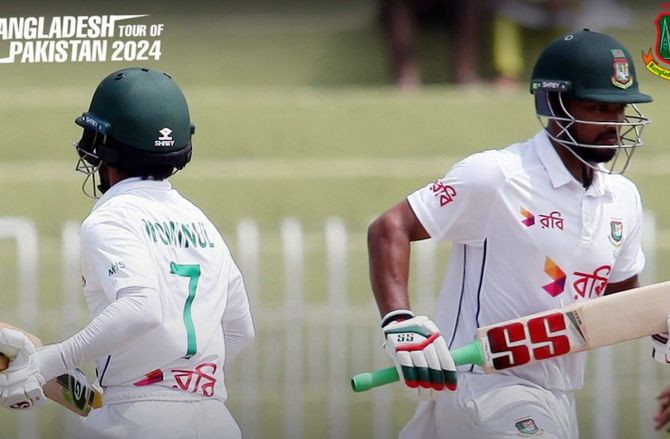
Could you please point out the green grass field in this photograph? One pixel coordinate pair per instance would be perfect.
(294, 119)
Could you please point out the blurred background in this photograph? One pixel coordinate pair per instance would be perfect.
(312, 118)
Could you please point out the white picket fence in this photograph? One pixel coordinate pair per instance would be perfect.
(295, 377)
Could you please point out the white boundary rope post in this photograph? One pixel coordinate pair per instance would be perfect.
(336, 248)
(425, 253)
(293, 248)
(71, 311)
(382, 400)
(605, 406)
(248, 245)
(72, 280)
(648, 387)
(27, 248)
(606, 374)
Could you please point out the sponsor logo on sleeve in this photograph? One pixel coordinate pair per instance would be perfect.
(443, 192)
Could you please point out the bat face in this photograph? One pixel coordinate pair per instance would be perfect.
(73, 388)
(526, 340)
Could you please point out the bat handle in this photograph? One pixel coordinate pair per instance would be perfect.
(367, 380)
(468, 354)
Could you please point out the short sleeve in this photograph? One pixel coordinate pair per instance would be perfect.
(116, 258)
(630, 260)
(457, 206)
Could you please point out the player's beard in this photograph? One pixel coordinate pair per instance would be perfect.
(597, 155)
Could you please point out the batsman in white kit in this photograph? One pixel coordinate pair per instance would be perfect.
(168, 303)
(535, 226)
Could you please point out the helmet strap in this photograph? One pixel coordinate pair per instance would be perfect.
(103, 176)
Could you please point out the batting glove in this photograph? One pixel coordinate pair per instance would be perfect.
(660, 349)
(21, 383)
(421, 356)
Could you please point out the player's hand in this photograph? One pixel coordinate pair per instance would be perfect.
(662, 416)
(421, 356)
(21, 383)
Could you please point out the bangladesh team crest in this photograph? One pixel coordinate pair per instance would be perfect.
(616, 232)
(528, 427)
(621, 77)
(661, 48)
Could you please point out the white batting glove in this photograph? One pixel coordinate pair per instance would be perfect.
(660, 348)
(421, 356)
(21, 383)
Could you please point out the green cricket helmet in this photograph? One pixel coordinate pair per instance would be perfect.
(138, 119)
(588, 66)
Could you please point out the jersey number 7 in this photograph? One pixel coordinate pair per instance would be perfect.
(193, 273)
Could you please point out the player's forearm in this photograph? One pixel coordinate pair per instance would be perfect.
(388, 255)
(136, 312)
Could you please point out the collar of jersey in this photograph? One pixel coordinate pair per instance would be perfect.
(130, 184)
(558, 173)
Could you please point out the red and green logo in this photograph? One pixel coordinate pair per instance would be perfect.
(528, 427)
(616, 232)
(661, 48)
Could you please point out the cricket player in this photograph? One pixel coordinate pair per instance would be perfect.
(168, 303)
(535, 226)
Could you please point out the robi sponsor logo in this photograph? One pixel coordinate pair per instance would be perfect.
(557, 275)
(590, 285)
(552, 220)
(586, 285)
(443, 192)
(528, 218)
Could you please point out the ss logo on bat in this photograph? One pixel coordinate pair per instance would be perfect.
(538, 339)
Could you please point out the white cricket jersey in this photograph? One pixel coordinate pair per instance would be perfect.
(143, 233)
(527, 237)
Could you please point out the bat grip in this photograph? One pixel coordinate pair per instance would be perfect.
(469, 354)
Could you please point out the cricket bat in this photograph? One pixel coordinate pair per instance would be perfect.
(574, 328)
(71, 390)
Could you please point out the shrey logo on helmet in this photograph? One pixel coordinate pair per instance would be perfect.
(164, 139)
(661, 47)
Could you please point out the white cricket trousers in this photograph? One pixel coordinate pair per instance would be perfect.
(202, 419)
(495, 406)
